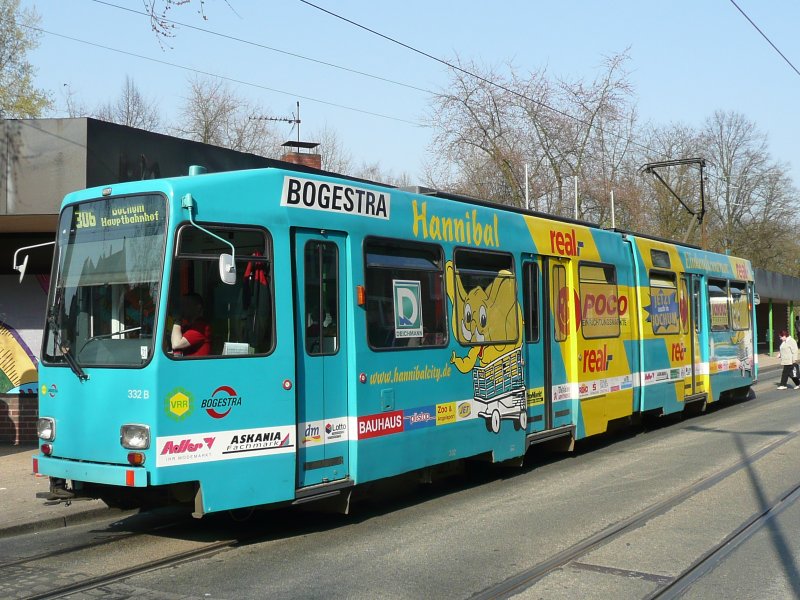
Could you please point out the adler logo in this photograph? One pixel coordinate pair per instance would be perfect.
(565, 244)
(187, 446)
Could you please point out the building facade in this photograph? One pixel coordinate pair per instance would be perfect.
(41, 160)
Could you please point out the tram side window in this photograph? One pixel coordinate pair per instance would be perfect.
(740, 306)
(663, 312)
(530, 274)
(405, 294)
(561, 303)
(485, 297)
(683, 301)
(321, 267)
(718, 305)
(696, 304)
(209, 318)
(599, 301)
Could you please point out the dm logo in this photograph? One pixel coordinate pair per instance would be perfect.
(407, 309)
(179, 404)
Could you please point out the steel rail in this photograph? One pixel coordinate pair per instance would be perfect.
(122, 574)
(527, 578)
(718, 553)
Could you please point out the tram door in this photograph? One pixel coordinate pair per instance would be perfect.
(562, 318)
(546, 316)
(690, 327)
(539, 403)
(320, 280)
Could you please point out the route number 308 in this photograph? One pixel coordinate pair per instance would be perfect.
(139, 394)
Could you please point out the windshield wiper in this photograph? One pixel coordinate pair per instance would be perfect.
(106, 335)
(65, 350)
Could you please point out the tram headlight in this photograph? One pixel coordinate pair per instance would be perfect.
(134, 437)
(46, 429)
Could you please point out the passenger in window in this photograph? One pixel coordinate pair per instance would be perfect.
(191, 334)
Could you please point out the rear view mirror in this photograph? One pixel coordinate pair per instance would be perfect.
(227, 269)
(21, 268)
(24, 265)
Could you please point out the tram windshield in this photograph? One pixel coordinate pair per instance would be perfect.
(108, 264)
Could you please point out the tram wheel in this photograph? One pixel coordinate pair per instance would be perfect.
(241, 515)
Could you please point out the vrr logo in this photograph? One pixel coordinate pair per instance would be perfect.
(179, 404)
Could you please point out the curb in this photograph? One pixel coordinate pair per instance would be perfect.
(50, 523)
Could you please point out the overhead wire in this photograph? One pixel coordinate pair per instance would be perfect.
(764, 35)
(490, 82)
(265, 47)
(448, 64)
(222, 77)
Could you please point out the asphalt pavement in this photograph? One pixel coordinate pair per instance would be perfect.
(22, 512)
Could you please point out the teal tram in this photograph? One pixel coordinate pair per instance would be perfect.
(280, 336)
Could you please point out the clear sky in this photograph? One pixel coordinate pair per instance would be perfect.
(688, 59)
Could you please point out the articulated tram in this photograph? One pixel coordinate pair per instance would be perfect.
(279, 336)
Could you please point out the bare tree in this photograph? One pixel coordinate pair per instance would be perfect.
(334, 156)
(375, 172)
(477, 130)
(213, 114)
(750, 195)
(131, 108)
(159, 12)
(75, 107)
(491, 126)
(19, 98)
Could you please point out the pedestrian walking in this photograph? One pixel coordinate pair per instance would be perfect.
(788, 354)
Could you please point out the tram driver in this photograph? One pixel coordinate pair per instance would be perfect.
(191, 333)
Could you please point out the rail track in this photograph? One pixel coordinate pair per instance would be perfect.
(667, 587)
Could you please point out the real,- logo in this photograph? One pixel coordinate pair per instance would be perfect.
(179, 404)
(678, 352)
(596, 360)
(565, 244)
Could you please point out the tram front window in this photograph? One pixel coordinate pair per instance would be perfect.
(108, 265)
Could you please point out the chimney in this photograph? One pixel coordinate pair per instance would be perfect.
(307, 159)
